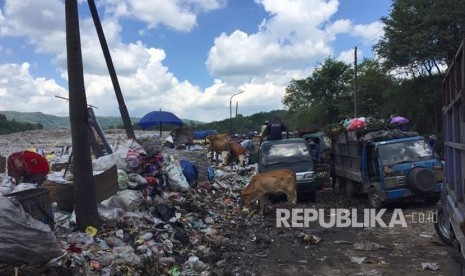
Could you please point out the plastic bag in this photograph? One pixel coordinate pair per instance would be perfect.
(190, 171)
(133, 159)
(122, 179)
(6, 185)
(24, 240)
(103, 163)
(24, 186)
(356, 124)
(128, 200)
(176, 179)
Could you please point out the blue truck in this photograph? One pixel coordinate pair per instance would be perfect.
(450, 224)
(386, 164)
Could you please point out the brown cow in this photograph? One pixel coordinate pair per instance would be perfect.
(272, 182)
(218, 143)
(237, 152)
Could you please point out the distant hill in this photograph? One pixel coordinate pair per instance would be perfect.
(54, 122)
(239, 124)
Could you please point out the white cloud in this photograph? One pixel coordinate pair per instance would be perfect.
(287, 44)
(19, 91)
(180, 15)
(42, 22)
(291, 38)
(370, 32)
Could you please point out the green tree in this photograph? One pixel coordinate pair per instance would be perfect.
(328, 91)
(374, 86)
(422, 35)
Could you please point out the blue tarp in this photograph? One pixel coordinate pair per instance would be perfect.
(202, 134)
(190, 171)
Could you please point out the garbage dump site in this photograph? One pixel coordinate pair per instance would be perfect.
(172, 211)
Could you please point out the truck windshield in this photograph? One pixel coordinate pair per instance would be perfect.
(285, 153)
(410, 151)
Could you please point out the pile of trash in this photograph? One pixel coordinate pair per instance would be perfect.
(163, 218)
(353, 124)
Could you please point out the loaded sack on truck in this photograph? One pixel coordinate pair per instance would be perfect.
(386, 164)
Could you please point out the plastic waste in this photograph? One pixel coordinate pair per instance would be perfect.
(176, 179)
(174, 271)
(122, 179)
(127, 200)
(19, 232)
(103, 163)
(164, 212)
(91, 231)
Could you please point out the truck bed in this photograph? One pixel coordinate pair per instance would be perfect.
(454, 125)
(347, 157)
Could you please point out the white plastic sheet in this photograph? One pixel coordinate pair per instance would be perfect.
(176, 179)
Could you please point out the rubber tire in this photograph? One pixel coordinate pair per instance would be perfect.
(346, 188)
(421, 180)
(443, 228)
(338, 185)
(374, 199)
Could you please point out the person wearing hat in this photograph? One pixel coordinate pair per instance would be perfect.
(275, 130)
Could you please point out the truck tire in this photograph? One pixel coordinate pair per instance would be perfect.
(339, 186)
(442, 227)
(349, 188)
(421, 180)
(374, 198)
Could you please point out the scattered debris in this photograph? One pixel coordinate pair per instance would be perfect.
(367, 246)
(430, 266)
(357, 260)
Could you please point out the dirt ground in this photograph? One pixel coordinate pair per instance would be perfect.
(257, 247)
(252, 245)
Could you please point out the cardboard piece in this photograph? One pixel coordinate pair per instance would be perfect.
(106, 185)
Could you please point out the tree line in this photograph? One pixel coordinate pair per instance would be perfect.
(7, 126)
(420, 40)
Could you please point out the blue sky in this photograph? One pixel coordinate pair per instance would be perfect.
(184, 56)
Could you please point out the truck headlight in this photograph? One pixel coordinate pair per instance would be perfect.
(307, 176)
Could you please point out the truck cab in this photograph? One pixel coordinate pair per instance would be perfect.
(388, 166)
(293, 154)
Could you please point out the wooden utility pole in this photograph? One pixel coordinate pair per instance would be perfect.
(111, 69)
(84, 192)
(356, 83)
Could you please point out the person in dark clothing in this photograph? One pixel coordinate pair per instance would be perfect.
(275, 129)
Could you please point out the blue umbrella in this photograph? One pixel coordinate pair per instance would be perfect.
(158, 118)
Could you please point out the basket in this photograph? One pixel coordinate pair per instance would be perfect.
(37, 203)
(62, 194)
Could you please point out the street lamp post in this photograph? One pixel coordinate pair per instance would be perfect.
(230, 109)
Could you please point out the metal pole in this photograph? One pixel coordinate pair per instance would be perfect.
(356, 83)
(230, 115)
(230, 110)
